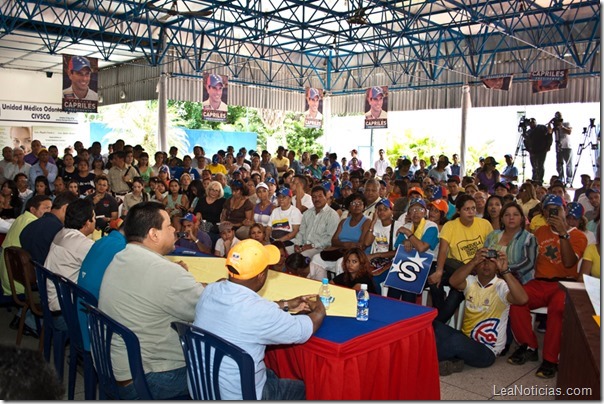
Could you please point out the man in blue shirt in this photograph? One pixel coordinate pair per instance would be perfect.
(509, 173)
(233, 310)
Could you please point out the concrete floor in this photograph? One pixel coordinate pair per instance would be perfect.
(471, 384)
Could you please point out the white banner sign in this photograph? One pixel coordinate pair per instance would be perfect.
(35, 113)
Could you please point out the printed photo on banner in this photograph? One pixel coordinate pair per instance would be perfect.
(20, 136)
(80, 84)
(549, 80)
(376, 107)
(409, 270)
(498, 82)
(313, 115)
(215, 95)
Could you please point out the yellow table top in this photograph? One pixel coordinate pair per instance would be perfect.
(278, 285)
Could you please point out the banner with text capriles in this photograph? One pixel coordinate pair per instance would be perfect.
(313, 113)
(376, 107)
(215, 97)
(549, 80)
(80, 84)
(409, 270)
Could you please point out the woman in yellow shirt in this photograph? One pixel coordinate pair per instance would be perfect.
(591, 258)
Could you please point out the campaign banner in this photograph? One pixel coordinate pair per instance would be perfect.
(313, 114)
(215, 95)
(80, 84)
(501, 82)
(376, 107)
(549, 80)
(409, 270)
(33, 112)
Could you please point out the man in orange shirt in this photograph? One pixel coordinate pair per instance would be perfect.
(560, 248)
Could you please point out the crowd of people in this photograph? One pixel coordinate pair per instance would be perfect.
(314, 217)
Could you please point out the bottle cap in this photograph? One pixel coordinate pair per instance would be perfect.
(325, 281)
(363, 286)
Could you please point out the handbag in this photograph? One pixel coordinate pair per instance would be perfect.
(379, 265)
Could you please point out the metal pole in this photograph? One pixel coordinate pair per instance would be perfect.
(466, 104)
(162, 106)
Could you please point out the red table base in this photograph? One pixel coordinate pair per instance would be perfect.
(397, 362)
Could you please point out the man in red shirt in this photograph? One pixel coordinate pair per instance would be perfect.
(560, 248)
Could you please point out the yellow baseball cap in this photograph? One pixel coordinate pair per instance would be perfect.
(248, 258)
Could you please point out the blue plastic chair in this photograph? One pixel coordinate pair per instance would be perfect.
(102, 328)
(71, 298)
(204, 351)
(52, 337)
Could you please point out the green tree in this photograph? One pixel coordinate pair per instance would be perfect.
(299, 138)
(410, 146)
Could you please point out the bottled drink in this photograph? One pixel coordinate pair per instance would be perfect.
(325, 293)
(363, 303)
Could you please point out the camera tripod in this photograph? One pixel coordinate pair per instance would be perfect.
(588, 141)
(520, 146)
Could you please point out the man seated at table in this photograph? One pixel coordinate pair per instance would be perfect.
(146, 292)
(233, 310)
(192, 237)
(488, 299)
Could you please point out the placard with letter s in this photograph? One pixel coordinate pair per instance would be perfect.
(409, 270)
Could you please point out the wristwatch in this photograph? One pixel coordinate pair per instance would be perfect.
(313, 245)
(564, 237)
(507, 271)
(285, 305)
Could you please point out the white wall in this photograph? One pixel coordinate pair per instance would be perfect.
(27, 86)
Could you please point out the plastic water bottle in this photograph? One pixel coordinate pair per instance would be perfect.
(325, 293)
(363, 303)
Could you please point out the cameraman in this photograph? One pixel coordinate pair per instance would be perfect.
(537, 141)
(563, 149)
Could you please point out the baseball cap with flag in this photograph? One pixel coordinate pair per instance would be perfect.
(215, 80)
(78, 63)
(375, 91)
(313, 93)
(248, 258)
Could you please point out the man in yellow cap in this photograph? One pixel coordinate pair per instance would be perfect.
(233, 310)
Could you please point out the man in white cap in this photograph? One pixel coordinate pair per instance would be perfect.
(233, 310)
(313, 98)
(79, 72)
(214, 86)
(375, 97)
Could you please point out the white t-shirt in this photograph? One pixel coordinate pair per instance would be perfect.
(284, 221)
(382, 236)
(220, 246)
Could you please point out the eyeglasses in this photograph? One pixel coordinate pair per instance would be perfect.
(356, 203)
(417, 210)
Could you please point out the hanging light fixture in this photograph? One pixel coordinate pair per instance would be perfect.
(122, 94)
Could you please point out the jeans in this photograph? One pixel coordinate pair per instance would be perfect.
(59, 323)
(402, 295)
(282, 389)
(453, 344)
(446, 305)
(162, 385)
(564, 156)
(538, 162)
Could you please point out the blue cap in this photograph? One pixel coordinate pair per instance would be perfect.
(77, 63)
(375, 91)
(313, 93)
(591, 191)
(328, 185)
(417, 201)
(385, 202)
(346, 184)
(270, 180)
(284, 192)
(190, 217)
(551, 199)
(575, 209)
(215, 80)
(437, 192)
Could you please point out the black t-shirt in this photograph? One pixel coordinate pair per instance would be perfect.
(340, 281)
(84, 183)
(538, 140)
(210, 213)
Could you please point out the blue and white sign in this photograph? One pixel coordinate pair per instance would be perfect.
(409, 270)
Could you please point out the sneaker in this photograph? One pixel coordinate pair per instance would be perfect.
(547, 370)
(445, 368)
(522, 355)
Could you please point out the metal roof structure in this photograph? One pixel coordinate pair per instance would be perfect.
(342, 46)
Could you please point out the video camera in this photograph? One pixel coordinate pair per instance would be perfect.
(523, 124)
(556, 121)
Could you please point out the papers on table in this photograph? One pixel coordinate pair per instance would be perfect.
(592, 286)
(278, 285)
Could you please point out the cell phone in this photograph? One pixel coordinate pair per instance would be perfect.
(181, 234)
(553, 212)
(491, 253)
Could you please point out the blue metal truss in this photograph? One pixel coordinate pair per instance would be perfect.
(293, 43)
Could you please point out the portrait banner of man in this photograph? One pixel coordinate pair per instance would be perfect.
(313, 115)
(498, 82)
(376, 107)
(80, 84)
(549, 80)
(215, 95)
